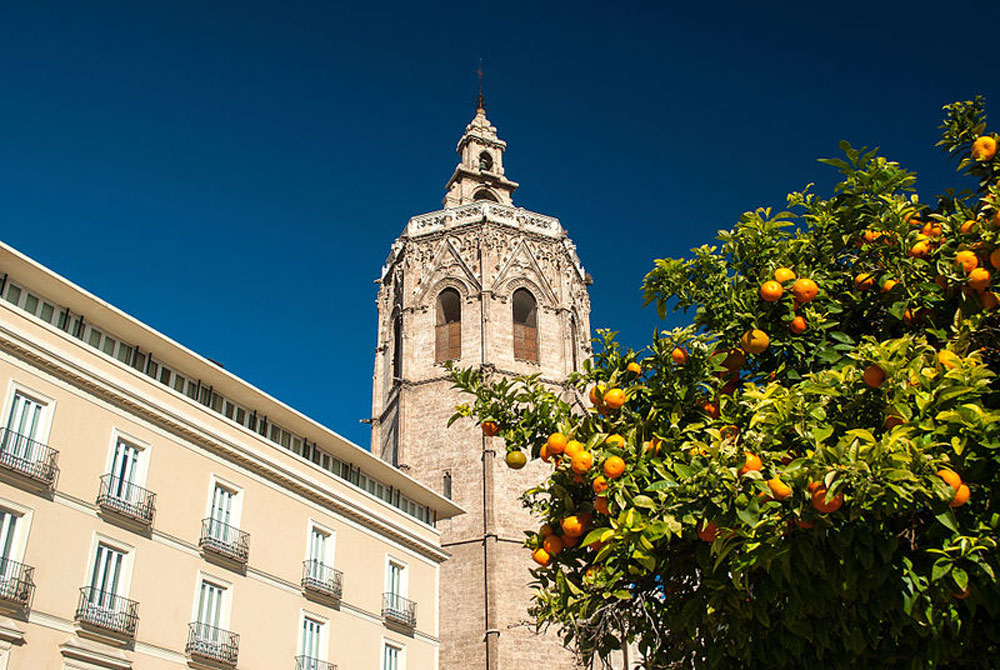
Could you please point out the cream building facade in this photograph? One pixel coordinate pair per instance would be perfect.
(157, 512)
(499, 288)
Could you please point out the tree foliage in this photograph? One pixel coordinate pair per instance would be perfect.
(868, 561)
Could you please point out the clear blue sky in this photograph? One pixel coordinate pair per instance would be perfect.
(233, 173)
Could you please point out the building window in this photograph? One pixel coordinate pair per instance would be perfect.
(525, 310)
(448, 328)
(392, 657)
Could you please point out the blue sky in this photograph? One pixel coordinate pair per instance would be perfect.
(233, 173)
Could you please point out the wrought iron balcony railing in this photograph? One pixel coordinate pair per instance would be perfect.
(322, 579)
(309, 663)
(107, 611)
(212, 644)
(397, 609)
(17, 583)
(224, 540)
(28, 458)
(128, 499)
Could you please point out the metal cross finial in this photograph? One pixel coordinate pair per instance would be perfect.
(480, 101)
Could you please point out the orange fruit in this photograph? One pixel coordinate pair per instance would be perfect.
(634, 367)
(805, 290)
(679, 355)
(581, 462)
(995, 259)
(979, 279)
(600, 484)
(967, 260)
(515, 460)
(947, 358)
(614, 398)
(962, 494)
(572, 526)
(874, 376)
(614, 466)
(950, 478)
(784, 274)
(707, 531)
(920, 249)
(573, 448)
(755, 341)
(864, 281)
(552, 545)
(615, 440)
(823, 505)
(990, 300)
(888, 285)
(966, 227)
(601, 505)
(490, 428)
(770, 291)
(751, 464)
(984, 148)
(557, 443)
(779, 489)
(541, 556)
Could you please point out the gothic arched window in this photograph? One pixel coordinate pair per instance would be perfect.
(483, 194)
(485, 161)
(525, 309)
(448, 326)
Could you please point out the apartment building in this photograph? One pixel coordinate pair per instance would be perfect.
(158, 512)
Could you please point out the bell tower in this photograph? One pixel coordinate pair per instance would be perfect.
(496, 287)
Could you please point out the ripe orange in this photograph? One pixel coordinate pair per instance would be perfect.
(950, 478)
(823, 505)
(581, 462)
(967, 260)
(552, 544)
(615, 440)
(557, 443)
(751, 464)
(961, 496)
(707, 531)
(984, 148)
(541, 556)
(779, 489)
(601, 505)
(755, 341)
(515, 460)
(805, 290)
(784, 274)
(600, 484)
(888, 285)
(572, 526)
(679, 355)
(864, 281)
(966, 227)
(614, 466)
(947, 358)
(979, 279)
(995, 259)
(573, 448)
(920, 249)
(634, 367)
(614, 399)
(770, 291)
(490, 428)
(874, 376)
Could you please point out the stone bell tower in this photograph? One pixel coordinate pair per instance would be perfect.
(495, 287)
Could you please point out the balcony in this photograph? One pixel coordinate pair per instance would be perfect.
(28, 459)
(17, 584)
(126, 499)
(307, 663)
(224, 540)
(398, 610)
(321, 579)
(107, 612)
(213, 645)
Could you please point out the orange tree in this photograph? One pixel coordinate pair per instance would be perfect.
(810, 471)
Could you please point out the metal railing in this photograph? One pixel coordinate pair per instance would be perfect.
(17, 582)
(108, 611)
(211, 643)
(225, 540)
(398, 609)
(309, 663)
(127, 499)
(323, 579)
(29, 458)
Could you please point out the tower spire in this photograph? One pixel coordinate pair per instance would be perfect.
(480, 100)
